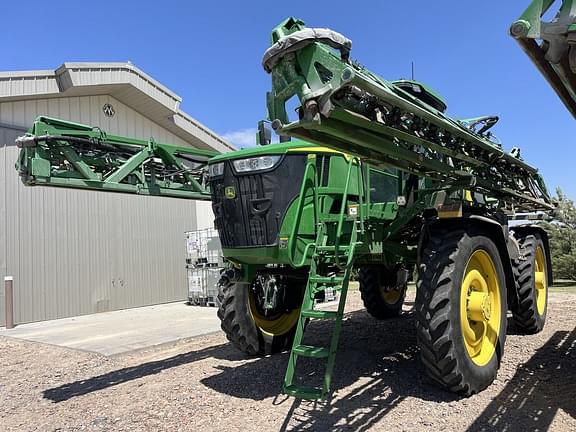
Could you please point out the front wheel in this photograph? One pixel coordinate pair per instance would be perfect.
(260, 318)
(461, 310)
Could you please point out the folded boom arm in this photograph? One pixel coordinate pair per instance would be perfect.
(65, 154)
(400, 124)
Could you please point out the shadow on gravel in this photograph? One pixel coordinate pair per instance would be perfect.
(113, 378)
(377, 363)
(540, 387)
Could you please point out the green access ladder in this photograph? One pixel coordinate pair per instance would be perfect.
(331, 266)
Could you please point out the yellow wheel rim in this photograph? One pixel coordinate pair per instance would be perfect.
(392, 297)
(480, 308)
(540, 282)
(273, 327)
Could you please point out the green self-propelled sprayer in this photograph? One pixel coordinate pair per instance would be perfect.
(371, 175)
(458, 189)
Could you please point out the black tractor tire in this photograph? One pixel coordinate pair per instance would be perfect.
(238, 323)
(441, 337)
(373, 282)
(527, 318)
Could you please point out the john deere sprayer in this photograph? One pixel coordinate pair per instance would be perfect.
(369, 175)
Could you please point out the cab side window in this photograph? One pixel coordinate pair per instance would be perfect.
(383, 185)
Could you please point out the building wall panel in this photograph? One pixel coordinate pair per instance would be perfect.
(77, 252)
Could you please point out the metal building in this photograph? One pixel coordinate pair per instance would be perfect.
(76, 252)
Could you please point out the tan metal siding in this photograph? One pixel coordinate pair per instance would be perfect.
(78, 76)
(87, 109)
(27, 83)
(6, 135)
(77, 252)
(125, 82)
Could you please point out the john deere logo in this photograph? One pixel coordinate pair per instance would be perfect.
(230, 192)
(108, 110)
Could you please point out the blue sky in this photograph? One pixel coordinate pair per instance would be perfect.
(209, 53)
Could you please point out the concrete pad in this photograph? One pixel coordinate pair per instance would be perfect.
(122, 331)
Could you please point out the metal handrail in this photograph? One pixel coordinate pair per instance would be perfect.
(310, 166)
(343, 212)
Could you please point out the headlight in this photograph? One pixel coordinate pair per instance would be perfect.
(256, 164)
(216, 170)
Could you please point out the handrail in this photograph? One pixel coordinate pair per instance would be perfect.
(310, 175)
(343, 210)
(310, 166)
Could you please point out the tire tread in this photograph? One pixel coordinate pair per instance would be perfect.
(525, 315)
(433, 311)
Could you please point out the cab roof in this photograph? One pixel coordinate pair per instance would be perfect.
(278, 148)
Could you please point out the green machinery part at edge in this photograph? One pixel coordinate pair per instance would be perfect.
(551, 45)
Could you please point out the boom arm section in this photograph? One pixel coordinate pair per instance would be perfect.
(401, 124)
(65, 154)
(551, 45)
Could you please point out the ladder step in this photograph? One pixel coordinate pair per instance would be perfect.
(332, 248)
(326, 280)
(310, 351)
(307, 393)
(319, 288)
(319, 314)
(331, 259)
(335, 218)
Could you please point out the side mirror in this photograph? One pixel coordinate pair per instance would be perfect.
(264, 136)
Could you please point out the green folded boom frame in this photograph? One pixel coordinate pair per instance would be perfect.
(72, 155)
(348, 108)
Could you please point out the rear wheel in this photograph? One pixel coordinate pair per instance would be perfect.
(383, 295)
(531, 274)
(461, 310)
(260, 318)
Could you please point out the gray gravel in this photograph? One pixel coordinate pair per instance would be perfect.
(204, 384)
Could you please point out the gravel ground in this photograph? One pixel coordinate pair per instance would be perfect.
(204, 384)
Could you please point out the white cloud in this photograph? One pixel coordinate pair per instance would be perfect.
(242, 137)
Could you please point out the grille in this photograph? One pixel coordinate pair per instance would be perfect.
(253, 216)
